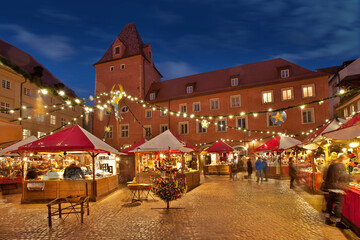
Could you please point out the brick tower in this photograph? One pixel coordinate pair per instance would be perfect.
(128, 62)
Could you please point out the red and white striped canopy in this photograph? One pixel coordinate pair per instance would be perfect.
(349, 130)
(278, 144)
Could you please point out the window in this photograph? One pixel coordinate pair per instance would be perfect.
(52, 100)
(40, 134)
(307, 115)
(183, 127)
(221, 126)
(40, 118)
(124, 130)
(117, 50)
(27, 92)
(26, 133)
(124, 109)
(109, 132)
(148, 113)
(163, 127)
(4, 107)
(189, 89)
(234, 82)
(63, 121)
(269, 122)
(352, 109)
(267, 96)
(285, 73)
(241, 122)
(201, 129)
(52, 119)
(163, 113)
(111, 68)
(5, 84)
(122, 67)
(235, 101)
(147, 131)
(183, 108)
(196, 107)
(287, 94)
(308, 90)
(214, 104)
(346, 112)
(152, 96)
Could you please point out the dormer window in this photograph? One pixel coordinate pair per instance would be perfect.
(117, 50)
(189, 89)
(234, 82)
(152, 96)
(285, 73)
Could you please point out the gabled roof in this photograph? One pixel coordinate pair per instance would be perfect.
(250, 75)
(28, 63)
(130, 37)
(220, 147)
(277, 144)
(132, 147)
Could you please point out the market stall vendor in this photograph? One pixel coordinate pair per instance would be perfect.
(73, 172)
(32, 172)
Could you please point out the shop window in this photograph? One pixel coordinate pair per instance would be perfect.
(196, 107)
(221, 126)
(267, 97)
(287, 94)
(214, 104)
(308, 91)
(124, 130)
(235, 101)
(307, 116)
(183, 127)
(183, 108)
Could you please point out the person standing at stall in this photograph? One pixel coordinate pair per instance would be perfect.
(249, 167)
(32, 172)
(259, 166)
(292, 172)
(73, 172)
(335, 180)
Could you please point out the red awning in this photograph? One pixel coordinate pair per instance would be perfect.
(187, 144)
(132, 147)
(349, 130)
(278, 144)
(74, 138)
(220, 147)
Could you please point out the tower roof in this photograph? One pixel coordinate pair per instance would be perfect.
(130, 37)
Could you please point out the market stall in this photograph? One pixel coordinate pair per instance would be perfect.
(67, 150)
(220, 155)
(278, 160)
(167, 148)
(127, 163)
(11, 167)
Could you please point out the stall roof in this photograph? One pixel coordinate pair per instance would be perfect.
(349, 130)
(74, 138)
(132, 147)
(166, 141)
(219, 147)
(278, 144)
(14, 147)
(10, 132)
(310, 141)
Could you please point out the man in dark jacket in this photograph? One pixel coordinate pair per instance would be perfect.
(73, 172)
(335, 180)
(292, 172)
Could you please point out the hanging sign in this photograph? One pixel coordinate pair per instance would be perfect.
(278, 117)
(115, 98)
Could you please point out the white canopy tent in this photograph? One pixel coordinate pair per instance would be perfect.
(14, 147)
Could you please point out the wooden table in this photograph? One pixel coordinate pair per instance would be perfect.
(63, 207)
(139, 191)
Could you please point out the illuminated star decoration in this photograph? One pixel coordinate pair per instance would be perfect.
(205, 124)
(115, 99)
(278, 117)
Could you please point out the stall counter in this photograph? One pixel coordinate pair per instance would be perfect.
(221, 169)
(45, 190)
(351, 209)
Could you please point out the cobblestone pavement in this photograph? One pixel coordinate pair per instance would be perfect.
(218, 209)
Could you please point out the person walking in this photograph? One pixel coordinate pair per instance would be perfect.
(335, 180)
(259, 166)
(266, 169)
(241, 168)
(249, 167)
(292, 172)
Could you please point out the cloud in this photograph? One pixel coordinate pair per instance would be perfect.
(51, 46)
(172, 69)
(57, 15)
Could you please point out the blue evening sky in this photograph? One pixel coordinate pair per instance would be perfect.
(187, 37)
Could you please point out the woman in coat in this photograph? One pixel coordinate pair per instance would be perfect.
(249, 168)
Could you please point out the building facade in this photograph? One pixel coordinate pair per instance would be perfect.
(255, 87)
(36, 108)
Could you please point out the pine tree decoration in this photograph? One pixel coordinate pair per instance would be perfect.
(168, 187)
